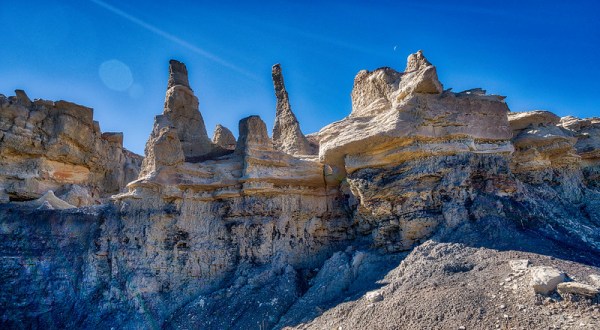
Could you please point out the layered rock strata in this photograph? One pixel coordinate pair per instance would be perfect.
(264, 234)
(587, 132)
(58, 146)
(542, 149)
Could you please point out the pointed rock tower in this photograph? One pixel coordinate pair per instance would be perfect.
(179, 134)
(287, 135)
(181, 109)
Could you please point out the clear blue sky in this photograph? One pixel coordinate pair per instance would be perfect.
(113, 55)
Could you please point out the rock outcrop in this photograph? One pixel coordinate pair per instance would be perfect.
(542, 149)
(223, 138)
(58, 146)
(287, 135)
(261, 232)
(587, 132)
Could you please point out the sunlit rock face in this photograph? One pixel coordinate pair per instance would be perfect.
(264, 231)
(287, 135)
(587, 132)
(224, 138)
(58, 146)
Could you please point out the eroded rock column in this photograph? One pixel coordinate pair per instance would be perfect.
(287, 135)
(182, 110)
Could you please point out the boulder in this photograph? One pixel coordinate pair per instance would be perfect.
(374, 296)
(544, 279)
(578, 289)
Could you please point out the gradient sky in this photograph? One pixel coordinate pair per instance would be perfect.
(113, 55)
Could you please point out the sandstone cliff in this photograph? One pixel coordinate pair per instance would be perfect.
(58, 146)
(416, 189)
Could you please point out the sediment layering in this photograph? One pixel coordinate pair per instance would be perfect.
(58, 146)
(418, 192)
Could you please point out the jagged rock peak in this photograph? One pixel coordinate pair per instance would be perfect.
(420, 76)
(223, 137)
(22, 97)
(253, 135)
(416, 61)
(287, 135)
(178, 74)
(382, 89)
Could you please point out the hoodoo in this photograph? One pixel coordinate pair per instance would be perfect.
(287, 135)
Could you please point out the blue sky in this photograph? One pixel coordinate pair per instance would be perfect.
(113, 55)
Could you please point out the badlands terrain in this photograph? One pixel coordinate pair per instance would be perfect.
(424, 208)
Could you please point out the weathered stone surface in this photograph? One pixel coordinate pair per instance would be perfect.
(223, 138)
(51, 145)
(545, 279)
(383, 88)
(595, 280)
(182, 110)
(578, 289)
(266, 238)
(544, 152)
(394, 119)
(49, 201)
(587, 133)
(522, 120)
(519, 265)
(287, 135)
(178, 74)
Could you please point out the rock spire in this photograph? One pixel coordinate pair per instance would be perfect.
(287, 135)
(182, 110)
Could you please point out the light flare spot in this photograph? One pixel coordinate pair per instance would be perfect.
(115, 75)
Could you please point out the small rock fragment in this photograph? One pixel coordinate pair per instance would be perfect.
(374, 296)
(519, 265)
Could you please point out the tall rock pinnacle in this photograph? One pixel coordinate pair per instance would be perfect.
(287, 135)
(181, 108)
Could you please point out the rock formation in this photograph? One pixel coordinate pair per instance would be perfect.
(287, 135)
(181, 111)
(418, 192)
(587, 132)
(58, 146)
(223, 138)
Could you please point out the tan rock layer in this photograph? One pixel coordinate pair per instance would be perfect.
(58, 146)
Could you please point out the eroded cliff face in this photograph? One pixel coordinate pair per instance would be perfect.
(58, 146)
(260, 232)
